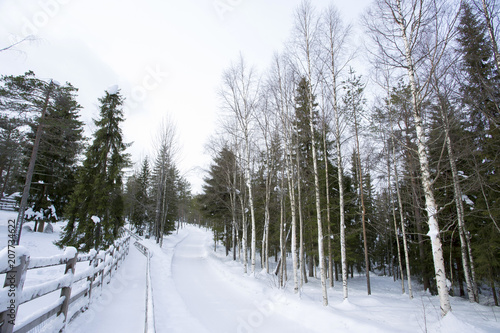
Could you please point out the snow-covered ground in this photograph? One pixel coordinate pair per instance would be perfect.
(198, 290)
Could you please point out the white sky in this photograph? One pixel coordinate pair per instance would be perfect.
(166, 56)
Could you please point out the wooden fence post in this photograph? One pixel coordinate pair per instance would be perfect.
(66, 291)
(14, 280)
(94, 262)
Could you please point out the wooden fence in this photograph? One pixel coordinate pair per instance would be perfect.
(15, 262)
(8, 203)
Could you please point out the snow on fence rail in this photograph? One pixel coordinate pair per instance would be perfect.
(8, 203)
(15, 262)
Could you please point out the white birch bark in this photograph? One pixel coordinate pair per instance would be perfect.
(396, 232)
(420, 24)
(240, 94)
(335, 37)
(305, 27)
(401, 217)
(283, 93)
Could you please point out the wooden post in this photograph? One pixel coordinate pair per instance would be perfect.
(94, 262)
(66, 291)
(14, 280)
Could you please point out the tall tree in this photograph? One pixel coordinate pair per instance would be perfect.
(354, 103)
(305, 43)
(240, 91)
(414, 35)
(96, 209)
(54, 175)
(334, 41)
(164, 181)
(139, 198)
(27, 99)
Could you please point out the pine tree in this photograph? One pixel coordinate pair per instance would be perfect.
(61, 144)
(99, 189)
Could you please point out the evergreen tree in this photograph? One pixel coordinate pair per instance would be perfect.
(60, 146)
(481, 98)
(219, 185)
(139, 198)
(304, 160)
(11, 138)
(99, 189)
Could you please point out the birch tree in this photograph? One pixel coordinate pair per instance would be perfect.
(335, 58)
(354, 103)
(239, 95)
(283, 88)
(304, 43)
(166, 147)
(413, 36)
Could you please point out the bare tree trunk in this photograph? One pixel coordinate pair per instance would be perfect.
(327, 190)
(430, 202)
(306, 23)
(396, 233)
(472, 291)
(244, 234)
(31, 167)
(363, 208)
(291, 189)
(403, 228)
(282, 100)
(303, 276)
(491, 32)
(336, 36)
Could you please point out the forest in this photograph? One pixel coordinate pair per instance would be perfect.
(395, 172)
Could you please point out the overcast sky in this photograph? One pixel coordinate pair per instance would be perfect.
(166, 56)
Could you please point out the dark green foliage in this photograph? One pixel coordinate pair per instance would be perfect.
(139, 201)
(61, 145)
(22, 99)
(99, 189)
(220, 185)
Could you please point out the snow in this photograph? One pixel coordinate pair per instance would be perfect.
(196, 289)
(113, 89)
(95, 219)
(467, 200)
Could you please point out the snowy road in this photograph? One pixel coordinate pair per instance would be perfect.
(219, 304)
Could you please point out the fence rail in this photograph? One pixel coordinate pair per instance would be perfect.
(16, 262)
(8, 203)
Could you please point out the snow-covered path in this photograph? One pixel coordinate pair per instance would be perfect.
(219, 304)
(121, 306)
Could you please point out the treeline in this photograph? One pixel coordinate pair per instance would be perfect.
(61, 175)
(396, 175)
(158, 197)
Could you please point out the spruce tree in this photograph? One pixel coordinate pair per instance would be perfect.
(139, 198)
(481, 100)
(55, 171)
(99, 189)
